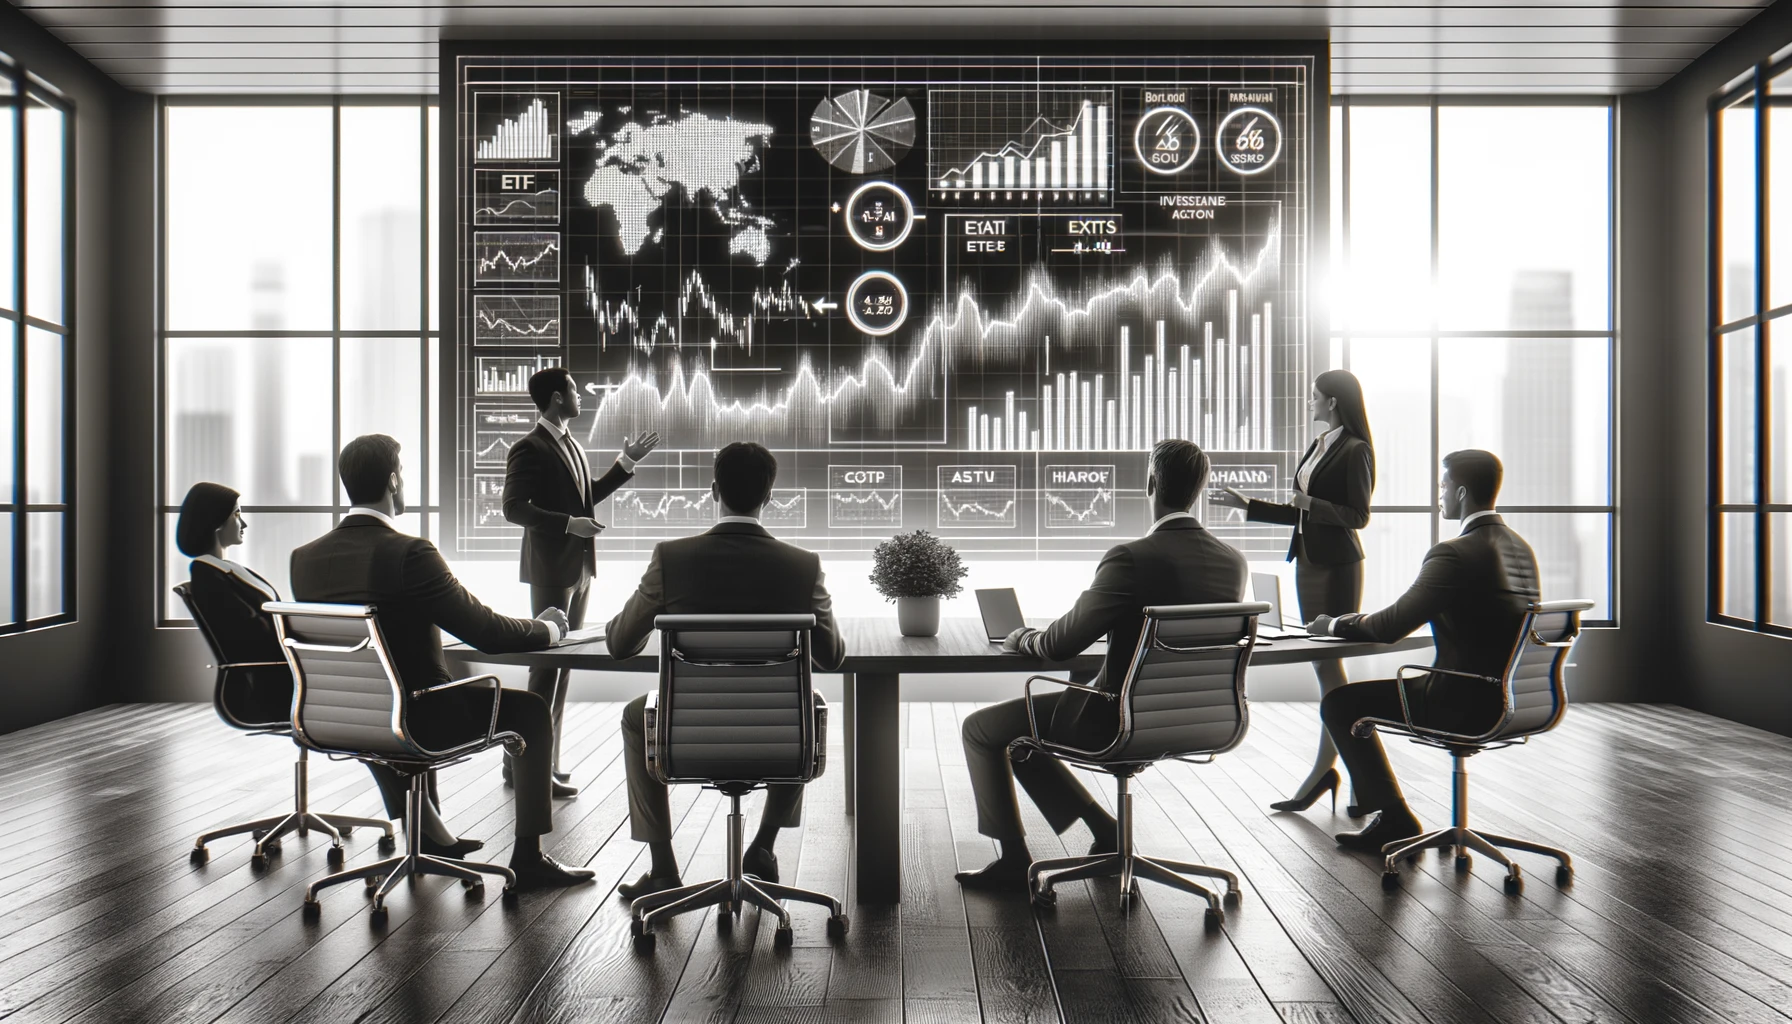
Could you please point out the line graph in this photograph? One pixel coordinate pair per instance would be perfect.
(865, 496)
(488, 504)
(1077, 497)
(513, 197)
(699, 317)
(496, 428)
(516, 126)
(981, 497)
(984, 141)
(516, 320)
(680, 510)
(513, 257)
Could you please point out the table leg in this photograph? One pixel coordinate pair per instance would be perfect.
(878, 780)
(850, 731)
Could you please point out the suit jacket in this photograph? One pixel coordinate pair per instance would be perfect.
(1180, 562)
(228, 607)
(1340, 486)
(1474, 589)
(364, 561)
(540, 495)
(733, 567)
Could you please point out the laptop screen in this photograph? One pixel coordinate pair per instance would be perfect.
(1001, 612)
(1267, 587)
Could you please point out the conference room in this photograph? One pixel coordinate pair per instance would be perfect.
(1018, 512)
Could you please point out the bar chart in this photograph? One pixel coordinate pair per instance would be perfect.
(516, 126)
(1020, 142)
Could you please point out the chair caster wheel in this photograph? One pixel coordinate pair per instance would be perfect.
(345, 830)
(370, 883)
(257, 834)
(1233, 897)
(1045, 898)
(388, 844)
(1564, 874)
(1463, 863)
(1214, 918)
(508, 896)
(334, 856)
(475, 892)
(837, 926)
(783, 938)
(1514, 885)
(724, 920)
(270, 846)
(378, 914)
(644, 940)
(1390, 880)
(258, 861)
(199, 855)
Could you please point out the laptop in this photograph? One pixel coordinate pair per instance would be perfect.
(589, 634)
(1001, 613)
(1267, 587)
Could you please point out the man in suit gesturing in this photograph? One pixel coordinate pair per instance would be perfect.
(1177, 562)
(549, 492)
(1475, 590)
(736, 567)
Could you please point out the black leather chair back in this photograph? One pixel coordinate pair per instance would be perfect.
(348, 699)
(735, 699)
(1184, 692)
(233, 676)
(1536, 678)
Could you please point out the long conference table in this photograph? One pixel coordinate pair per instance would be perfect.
(877, 657)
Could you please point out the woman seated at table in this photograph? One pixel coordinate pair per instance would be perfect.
(229, 596)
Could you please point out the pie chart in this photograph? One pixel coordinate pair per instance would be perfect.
(861, 132)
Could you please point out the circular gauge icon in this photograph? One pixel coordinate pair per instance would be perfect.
(860, 132)
(877, 303)
(1249, 140)
(1166, 140)
(879, 216)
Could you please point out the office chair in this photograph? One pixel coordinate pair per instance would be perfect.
(734, 710)
(1536, 696)
(226, 701)
(349, 702)
(1182, 699)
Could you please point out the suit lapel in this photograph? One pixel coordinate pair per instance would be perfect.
(558, 446)
(1325, 460)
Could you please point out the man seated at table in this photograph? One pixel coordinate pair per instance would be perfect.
(1475, 589)
(367, 560)
(1177, 562)
(736, 567)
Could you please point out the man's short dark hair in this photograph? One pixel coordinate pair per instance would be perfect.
(545, 384)
(1478, 471)
(367, 464)
(1181, 468)
(745, 471)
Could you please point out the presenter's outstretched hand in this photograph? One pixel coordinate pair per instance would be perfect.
(641, 446)
(1228, 498)
(583, 526)
(557, 617)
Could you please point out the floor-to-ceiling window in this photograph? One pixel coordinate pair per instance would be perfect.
(36, 354)
(297, 311)
(1472, 295)
(1750, 528)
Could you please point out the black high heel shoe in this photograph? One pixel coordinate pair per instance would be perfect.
(1300, 803)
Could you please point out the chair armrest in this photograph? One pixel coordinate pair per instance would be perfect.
(821, 736)
(650, 715)
(249, 664)
(1363, 726)
(491, 729)
(1027, 692)
(1027, 744)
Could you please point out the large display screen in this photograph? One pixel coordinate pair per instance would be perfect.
(952, 293)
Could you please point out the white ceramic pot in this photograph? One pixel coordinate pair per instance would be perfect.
(918, 616)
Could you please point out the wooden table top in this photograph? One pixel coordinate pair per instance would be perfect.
(874, 645)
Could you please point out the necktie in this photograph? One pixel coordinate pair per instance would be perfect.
(579, 473)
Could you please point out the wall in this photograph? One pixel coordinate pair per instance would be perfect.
(56, 671)
(1733, 673)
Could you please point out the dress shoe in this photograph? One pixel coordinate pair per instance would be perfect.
(1326, 783)
(999, 875)
(1389, 826)
(544, 872)
(761, 863)
(647, 885)
(457, 850)
(562, 791)
(562, 776)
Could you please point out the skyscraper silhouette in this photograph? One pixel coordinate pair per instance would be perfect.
(1537, 426)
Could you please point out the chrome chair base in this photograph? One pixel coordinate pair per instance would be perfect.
(383, 877)
(1464, 839)
(267, 831)
(731, 894)
(1130, 867)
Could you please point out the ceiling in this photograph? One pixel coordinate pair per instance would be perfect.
(389, 46)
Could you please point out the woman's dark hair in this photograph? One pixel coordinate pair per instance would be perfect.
(206, 507)
(1343, 386)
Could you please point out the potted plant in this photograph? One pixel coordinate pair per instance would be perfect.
(915, 570)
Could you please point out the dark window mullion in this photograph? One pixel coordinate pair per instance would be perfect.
(1763, 537)
(335, 310)
(1436, 455)
(423, 388)
(21, 560)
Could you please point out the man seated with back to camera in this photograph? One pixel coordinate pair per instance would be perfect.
(366, 560)
(1475, 589)
(1177, 562)
(735, 567)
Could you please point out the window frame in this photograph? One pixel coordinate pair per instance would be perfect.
(28, 87)
(1334, 332)
(1763, 320)
(420, 468)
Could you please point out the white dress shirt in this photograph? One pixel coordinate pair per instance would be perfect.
(1477, 515)
(1305, 473)
(1173, 515)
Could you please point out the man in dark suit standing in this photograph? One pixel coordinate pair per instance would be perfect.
(1475, 590)
(549, 492)
(1177, 562)
(366, 560)
(735, 567)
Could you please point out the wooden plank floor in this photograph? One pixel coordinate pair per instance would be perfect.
(1681, 909)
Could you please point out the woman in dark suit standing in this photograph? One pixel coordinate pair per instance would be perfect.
(1332, 484)
(228, 596)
